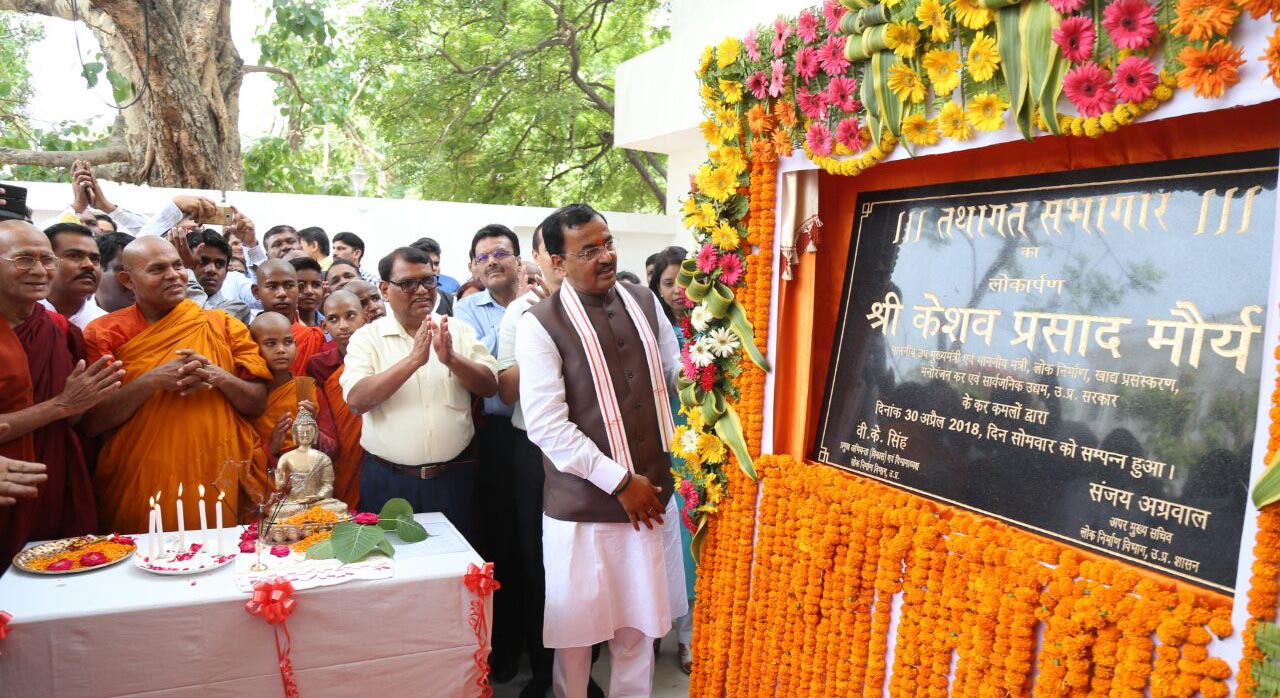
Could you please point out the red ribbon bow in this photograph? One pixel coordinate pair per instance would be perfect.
(480, 580)
(272, 599)
(4, 624)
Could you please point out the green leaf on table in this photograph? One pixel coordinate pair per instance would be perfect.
(394, 509)
(322, 550)
(385, 547)
(351, 541)
(410, 531)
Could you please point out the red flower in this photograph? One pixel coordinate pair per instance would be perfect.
(122, 540)
(708, 378)
(758, 84)
(833, 11)
(686, 325)
(831, 55)
(812, 104)
(1135, 79)
(5, 617)
(366, 518)
(1088, 87)
(1131, 23)
(93, 558)
(60, 566)
(849, 133)
(840, 94)
(1075, 36)
(819, 139)
(246, 545)
(806, 63)
(807, 27)
(280, 550)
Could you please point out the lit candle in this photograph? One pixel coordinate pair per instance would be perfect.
(217, 518)
(159, 523)
(182, 525)
(204, 523)
(153, 530)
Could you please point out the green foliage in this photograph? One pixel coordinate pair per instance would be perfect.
(322, 550)
(1266, 670)
(397, 515)
(351, 541)
(503, 102)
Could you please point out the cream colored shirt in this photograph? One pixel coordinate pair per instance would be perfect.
(428, 420)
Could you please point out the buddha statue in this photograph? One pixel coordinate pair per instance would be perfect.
(305, 475)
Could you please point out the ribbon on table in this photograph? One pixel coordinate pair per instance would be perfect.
(4, 624)
(481, 582)
(273, 602)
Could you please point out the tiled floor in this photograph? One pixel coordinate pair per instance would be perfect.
(668, 680)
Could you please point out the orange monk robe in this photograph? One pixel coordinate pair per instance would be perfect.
(15, 394)
(310, 341)
(284, 399)
(193, 439)
(326, 367)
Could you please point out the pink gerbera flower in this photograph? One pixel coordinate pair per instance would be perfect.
(1075, 36)
(707, 259)
(1131, 23)
(1066, 7)
(781, 32)
(752, 43)
(778, 83)
(758, 84)
(819, 139)
(690, 373)
(812, 104)
(834, 12)
(730, 269)
(807, 27)
(840, 93)
(1135, 79)
(849, 133)
(831, 55)
(1088, 86)
(806, 63)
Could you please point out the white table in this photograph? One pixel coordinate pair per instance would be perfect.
(122, 631)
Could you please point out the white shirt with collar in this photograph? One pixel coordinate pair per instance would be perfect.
(428, 419)
(87, 313)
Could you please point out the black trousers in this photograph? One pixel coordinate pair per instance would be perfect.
(497, 532)
(529, 481)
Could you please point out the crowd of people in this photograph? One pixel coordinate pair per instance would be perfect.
(533, 403)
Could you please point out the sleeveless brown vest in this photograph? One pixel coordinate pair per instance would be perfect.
(571, 498)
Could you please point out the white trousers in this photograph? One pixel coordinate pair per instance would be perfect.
(630, 667)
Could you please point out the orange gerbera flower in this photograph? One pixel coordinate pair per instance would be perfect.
(1200, 20)
(1272, 57)
(1210, 71)
(782, 143)
(786, 112)
(759, 119)
(1257, 8)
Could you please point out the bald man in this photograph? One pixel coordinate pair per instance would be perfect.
(44, 388)
(276, 286)
(192, 378)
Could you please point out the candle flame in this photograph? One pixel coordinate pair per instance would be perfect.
(152, 503)
(201, 489)
(179, 490)
(157, 495)
(221, 495)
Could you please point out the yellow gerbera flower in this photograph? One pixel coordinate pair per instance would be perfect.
(711, 449)
(952, 123)
(919, 130)
(970, 14)
(934, 18)
(730, 127)
(905, 83)
(711, 132)
(705, 61)
(732, 91)
(717, 183)
(986, 112)
(725, 236)
(709, 97)
(902, 38)
(730, 157)
(984, 59)
(943, 68)
(727, 52)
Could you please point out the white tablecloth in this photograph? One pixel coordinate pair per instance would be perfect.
(122, 631)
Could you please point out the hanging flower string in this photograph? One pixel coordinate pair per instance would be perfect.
(273, 602)
(481, 582)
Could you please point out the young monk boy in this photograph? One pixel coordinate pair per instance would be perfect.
(277, 289)
(343, 315)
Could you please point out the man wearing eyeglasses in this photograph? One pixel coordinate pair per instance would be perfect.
(495, 257)
(45, 387)
(411, 375)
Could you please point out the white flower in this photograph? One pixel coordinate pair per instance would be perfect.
(689, 441)
(700, 355)
(701, 318)
(722, 342)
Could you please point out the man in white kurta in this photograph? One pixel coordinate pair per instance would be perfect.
(595, 365)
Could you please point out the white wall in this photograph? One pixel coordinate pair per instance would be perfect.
(383, 224)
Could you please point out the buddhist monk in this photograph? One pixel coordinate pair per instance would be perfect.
(276, 287)
(192, 378)
(46, 387)
(342, 317)
(274, 336)
(370, 299)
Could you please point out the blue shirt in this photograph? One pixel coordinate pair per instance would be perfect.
(449, 285)
(484, 314)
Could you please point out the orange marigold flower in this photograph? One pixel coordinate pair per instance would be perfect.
(1210, 71)
(1200, 20)
(1272, 58)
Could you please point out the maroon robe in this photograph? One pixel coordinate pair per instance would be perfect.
(66, 505)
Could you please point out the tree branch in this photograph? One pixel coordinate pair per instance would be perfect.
(49, 8)
(657, 166)
(659, 193)
(64, 158)
(293, 81)
(604, 150)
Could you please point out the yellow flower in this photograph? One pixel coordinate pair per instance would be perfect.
(700, 216)
(729, 157)
(730, 127)
(705, 61)
(677, 440)
(986, 112)
(714, 492)
(902, 37)
(919, 130)
(711, 448)
(952, 123)
(943, 68)
(983, 57)
(727, 52)
(905, 83)
(970, 14)
(709, 97)
(694, 414)
(711, 132)
(934, 18)
(732, 91)
(717, 183)
(725, 236)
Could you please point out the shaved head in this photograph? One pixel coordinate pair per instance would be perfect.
(340, 295)
(274, 265)
(274, 334)
(152, 269)
(20, 243)
(145, 249)
(10, 227)
(268, 321)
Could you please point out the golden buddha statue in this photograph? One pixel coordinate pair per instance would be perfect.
(305, 475)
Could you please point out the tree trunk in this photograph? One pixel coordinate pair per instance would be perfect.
(183, 131)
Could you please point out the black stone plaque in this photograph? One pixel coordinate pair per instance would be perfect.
(1076, 353)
